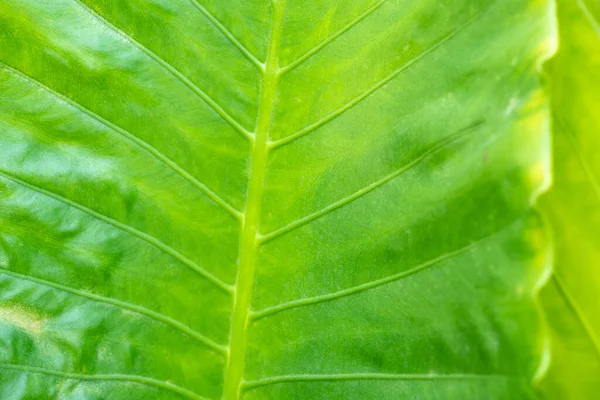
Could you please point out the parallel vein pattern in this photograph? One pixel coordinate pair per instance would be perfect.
(123, 305)
(362, 246)
(391, 253)
(172, 70)
(168, 162)
(126, 228)
(357, 100)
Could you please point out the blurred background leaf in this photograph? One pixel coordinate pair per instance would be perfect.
(572, 297)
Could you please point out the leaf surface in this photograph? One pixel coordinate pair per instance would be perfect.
(291, 200)
(573, 206)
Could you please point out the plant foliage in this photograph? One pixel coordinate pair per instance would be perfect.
(286, 199)
(571, 298)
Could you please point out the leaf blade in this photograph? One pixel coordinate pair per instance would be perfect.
(99, 272)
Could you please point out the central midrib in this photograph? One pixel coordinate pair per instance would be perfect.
(249, 243)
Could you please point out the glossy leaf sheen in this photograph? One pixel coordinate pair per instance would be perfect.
(573, 207)
(328, 199)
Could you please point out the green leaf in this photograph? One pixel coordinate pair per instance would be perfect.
(350, 218)
(573, 207)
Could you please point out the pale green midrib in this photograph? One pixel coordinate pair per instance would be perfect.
(249, 242)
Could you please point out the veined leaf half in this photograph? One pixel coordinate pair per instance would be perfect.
(572, 297)
(288, 200)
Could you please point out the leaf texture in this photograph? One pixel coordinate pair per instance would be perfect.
(573, 207)
(271, 200)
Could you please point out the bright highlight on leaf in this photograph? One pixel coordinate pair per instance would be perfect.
(287, 199)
